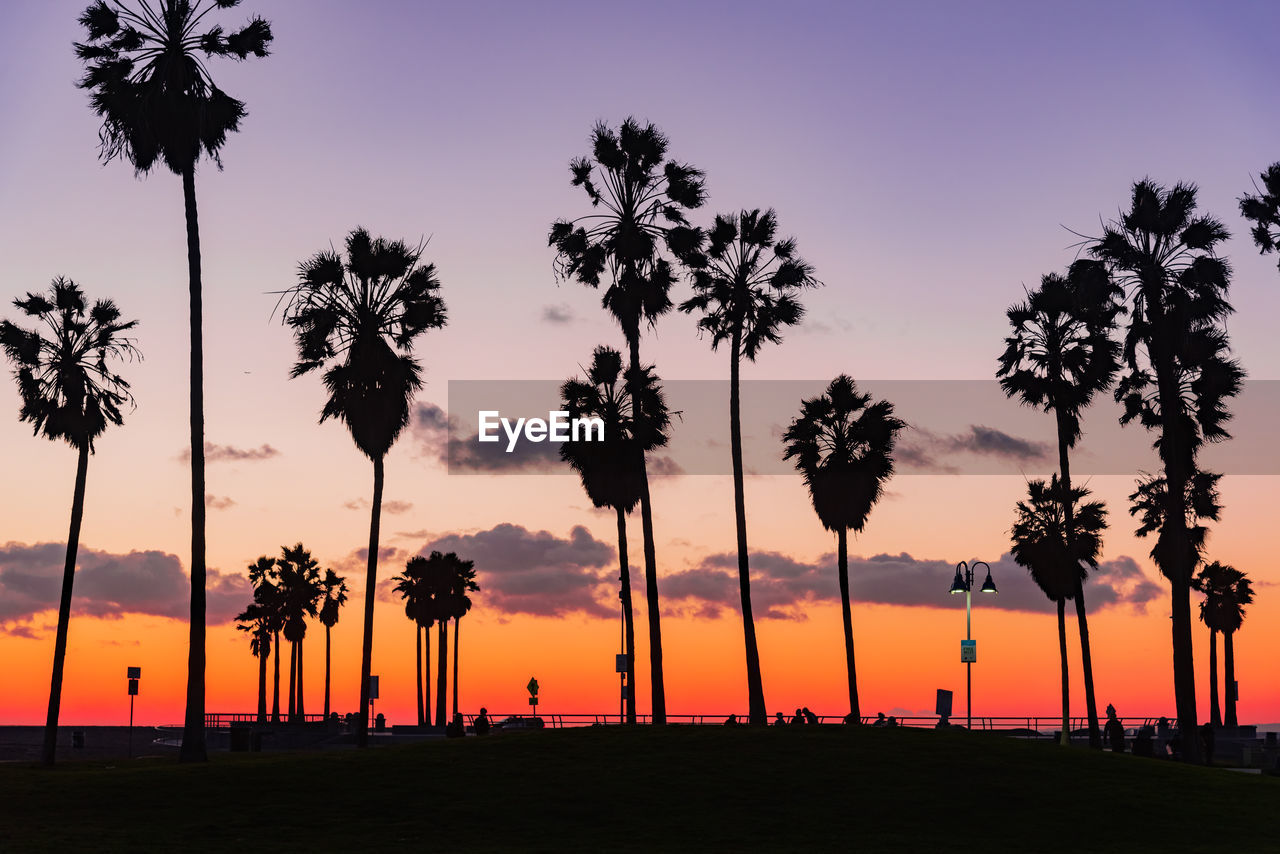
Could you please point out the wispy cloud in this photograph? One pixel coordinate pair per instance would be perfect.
(231, 454)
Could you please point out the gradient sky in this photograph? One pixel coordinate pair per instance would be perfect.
(929, 158)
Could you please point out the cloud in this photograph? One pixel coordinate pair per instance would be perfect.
(921, 449)
(560, 314)
(439, 439)
(783, 587)
(393, 507)
(218, 502)
(230, 454)
(536, 572)
(107, 585)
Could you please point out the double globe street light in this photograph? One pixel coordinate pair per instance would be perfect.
(963, 583)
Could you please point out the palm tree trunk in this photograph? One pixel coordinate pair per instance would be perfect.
(64, 608)
(1181, 557)
(657, 691)
(417, 637)
(755, 683)
(302, 707)
(370, 591)
(293, 681)
(1229, 656)
(1215, 711)
(426, 663)
(275, 691)
(193, 743)
(855, 712)
(456, 620)
(262, 689)
(1086, 655)
(1066, 677)
(442, 677)
(326, 672)
(628, 617)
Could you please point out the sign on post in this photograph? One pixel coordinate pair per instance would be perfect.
(968, 651)
(943, 708)
(533, 693)
(135, 672)
(373, 688)
(620, 663)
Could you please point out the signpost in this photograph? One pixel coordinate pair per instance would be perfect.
(968, 651)
(373, 695)
(134, 674)
(533, 694)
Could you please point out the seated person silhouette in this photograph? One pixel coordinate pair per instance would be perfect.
(798, 718)
(779, 719)
(1114, 730)
(732, 720)
(892, 721)
(880, 721)
(481, 725)
(809, 717)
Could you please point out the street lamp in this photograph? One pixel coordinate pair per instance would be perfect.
(963, 583)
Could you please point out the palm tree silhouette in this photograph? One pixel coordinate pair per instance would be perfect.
(333, 595)
(458, 606)
(1058, 357)
(842, 444)
(255, 619)
(612, 470)
(358, 318)
(265, 579)
(747, 293)
(68, 392)
(1179, 374)
(1227, 590)
(300, 593)
(439, 580)
(1263, 210)
(411, 585)
(638, 198)
(1055, 533)
(147, 67)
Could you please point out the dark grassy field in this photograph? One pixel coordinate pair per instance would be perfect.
(682, 788)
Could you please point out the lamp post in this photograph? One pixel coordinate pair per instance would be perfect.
(963, 583)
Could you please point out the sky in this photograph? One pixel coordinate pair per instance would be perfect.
(932, 159)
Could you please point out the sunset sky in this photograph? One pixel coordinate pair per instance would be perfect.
(931, 161)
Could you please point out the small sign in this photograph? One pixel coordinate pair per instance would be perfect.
(533, 701)
(373, 687)
(533, 686)
(133, 687)
(135, 672)
(968, 651)
(626, 691)
(620, 663)
(944, 703)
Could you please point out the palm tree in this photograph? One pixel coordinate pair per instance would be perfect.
(265, 578)
(459, 605)
(842, 444)
(333, 595)
(611, 470)
(147, 67)
(1179, 374)
(300, 593)
(358, 318)
(68, 392)
(1263, 210)
(1227, 590)
(746, 293)
(439, 577)
(1058, 357)
(411, 586)
(1054, 536)
(255, 619)
(638, 198)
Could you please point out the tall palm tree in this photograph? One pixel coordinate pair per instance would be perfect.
(255, 619)
(1179, 373)
(1054, 537)
(68, 393)
(1059, 356)
(147, 69)
(638, 199)
(464, 582)
(842, 444)
(747, 293)
(440, 576)
(300, 592)
(411, 585)
(265, 579)
(611, 470)
(358, 317)
(1227, 590)
(333, 595)
(1263, 210)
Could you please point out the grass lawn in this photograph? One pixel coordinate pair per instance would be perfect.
(680, 788)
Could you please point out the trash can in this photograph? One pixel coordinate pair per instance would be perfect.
(380, 723)
(77, 739)
(240, 739)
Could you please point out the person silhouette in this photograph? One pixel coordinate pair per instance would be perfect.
(879, 721)
(892, 721)
(779, 719)
(481, 725)
(809, 717)
(798, 718)
(1114, 730)
(732, 720)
